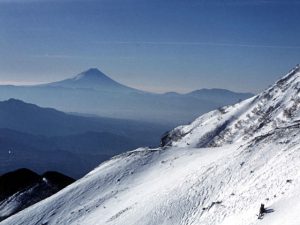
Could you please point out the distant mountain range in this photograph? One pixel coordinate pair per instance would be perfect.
(46, 139)
(93, 92)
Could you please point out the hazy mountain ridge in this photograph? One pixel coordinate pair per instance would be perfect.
(74, 155)
(185, 182)
(30, 118)
(95, 93)
(44, 138)
(222, 96)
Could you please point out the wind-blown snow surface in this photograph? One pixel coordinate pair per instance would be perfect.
(218, 170)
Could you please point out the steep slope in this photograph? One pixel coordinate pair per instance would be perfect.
(23, 188)
(177, 186)
(218, 170)
(275, 108)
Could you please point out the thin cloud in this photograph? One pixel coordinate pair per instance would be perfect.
(34, 1)
(200, 44)
(21, 1)
(60, 56)
(249, 2)
(18, 82)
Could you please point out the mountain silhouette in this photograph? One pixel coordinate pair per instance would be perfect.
(93, 92)
(94, 79)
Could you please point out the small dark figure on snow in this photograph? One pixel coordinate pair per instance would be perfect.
(262, 211)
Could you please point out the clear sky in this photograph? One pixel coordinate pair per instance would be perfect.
(156, 45)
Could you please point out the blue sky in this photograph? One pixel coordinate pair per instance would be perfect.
(156, 45)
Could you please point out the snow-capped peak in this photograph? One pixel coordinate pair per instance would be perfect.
(92, 79)
(92, 73)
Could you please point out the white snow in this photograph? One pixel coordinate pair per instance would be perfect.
(276, 107)
(216, 172)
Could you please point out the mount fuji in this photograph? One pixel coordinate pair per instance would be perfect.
(92, 79)
(93, 92)
(217, 170)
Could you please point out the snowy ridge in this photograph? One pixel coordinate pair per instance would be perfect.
(250, 154)
(276, 107)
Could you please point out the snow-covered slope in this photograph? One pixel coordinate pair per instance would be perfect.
(22, 188)
(274, 108)
(218, 170)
